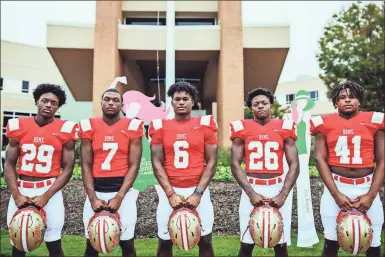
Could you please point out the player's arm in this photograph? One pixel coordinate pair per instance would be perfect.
(211, 154)
(157, 159)
(11, 156)
(363, 203)
(321, 159)
(87, 158)
(291, 153)
(68, 160)
(134, 163)
(237, 155)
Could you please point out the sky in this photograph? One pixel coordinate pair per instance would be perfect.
(26, 22)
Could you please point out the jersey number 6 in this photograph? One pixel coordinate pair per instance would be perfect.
(181, 155)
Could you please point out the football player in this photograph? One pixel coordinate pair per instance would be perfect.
(347, 146)
(184, 156)
(262, 142)
(111, 149)
(43, 145)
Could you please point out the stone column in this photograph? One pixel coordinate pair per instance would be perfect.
(107, 60)
(230, 92)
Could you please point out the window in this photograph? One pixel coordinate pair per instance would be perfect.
(313, 95)
(1, 83)
(25, 87)
(194, 21)
(289, 98)
(145, 21)
(162, 21)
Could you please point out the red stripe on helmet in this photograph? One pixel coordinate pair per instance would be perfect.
(27, 231)
(21, 231)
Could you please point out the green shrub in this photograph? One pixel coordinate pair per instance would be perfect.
(3, 184)
(223, 173)
(224, 156)
(77, 174)
(313, 172)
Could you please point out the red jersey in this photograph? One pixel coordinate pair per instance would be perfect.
(41, 147)
(264, 144)
(350, 141)
(184, 147)
(110, 144)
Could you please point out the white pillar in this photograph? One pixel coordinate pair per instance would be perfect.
(170, 52)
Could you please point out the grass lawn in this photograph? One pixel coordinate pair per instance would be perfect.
(223, 246)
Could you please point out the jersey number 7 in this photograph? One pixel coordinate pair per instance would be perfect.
(112, 148)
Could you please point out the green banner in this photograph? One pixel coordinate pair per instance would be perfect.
(146, 175)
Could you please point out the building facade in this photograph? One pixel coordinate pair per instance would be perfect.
(23, 67)
(285, 94)
(206, 40)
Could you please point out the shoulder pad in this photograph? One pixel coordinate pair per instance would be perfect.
(205, 120)
(287, 124)
(67, 126)
(157, 124)
(237, 125)
(85, 125)
(377, 117)
(134, 124)
(13, 124)
(317, 120)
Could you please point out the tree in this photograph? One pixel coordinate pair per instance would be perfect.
(352, 48)
(276, 111)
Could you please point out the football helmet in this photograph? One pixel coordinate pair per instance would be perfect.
(184, 227)
(354, 232)
(27, 228)
(104, 231)
(266, 226)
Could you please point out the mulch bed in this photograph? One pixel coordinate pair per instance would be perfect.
(225, 197)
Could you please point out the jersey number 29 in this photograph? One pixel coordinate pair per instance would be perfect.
(44, 155)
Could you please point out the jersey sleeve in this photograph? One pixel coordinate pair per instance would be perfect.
(14, 129)
(210, 129)
(155, 132)
(69, 131)
(85, 129)
(236, 130)
(376, 121)
(136, 127)
(317, 125)
(288, 130)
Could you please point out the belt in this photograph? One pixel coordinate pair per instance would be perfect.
(352, 181)
(266, 182)
(38, 184)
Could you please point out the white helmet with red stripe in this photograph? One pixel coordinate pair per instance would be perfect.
(104, 231)
(354, 232)
(27, 228)
(266, 226)
(184, 227)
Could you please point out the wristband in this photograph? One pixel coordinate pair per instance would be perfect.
(197, 191)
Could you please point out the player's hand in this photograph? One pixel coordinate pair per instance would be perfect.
(362, 203)
(113, 204)
(278, 201)
(257, 200)
(193, 201)
(98, 205)
(343, 202)
(22, 201)
(176, 201)
(40, 201)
